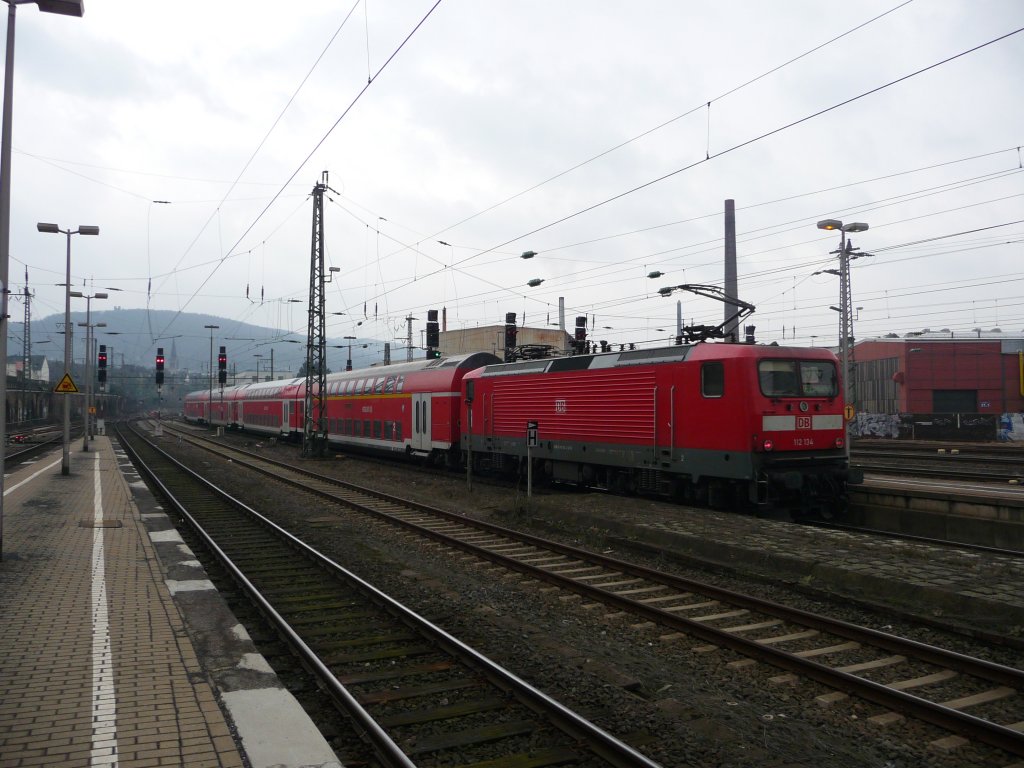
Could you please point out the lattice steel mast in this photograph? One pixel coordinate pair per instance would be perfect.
(314, 442)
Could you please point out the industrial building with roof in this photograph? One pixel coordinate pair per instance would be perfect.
(940, 385)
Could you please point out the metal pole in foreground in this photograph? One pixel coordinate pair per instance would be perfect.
(62, 7)
(65, 462)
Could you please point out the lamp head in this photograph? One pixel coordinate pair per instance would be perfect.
(44, 227)
(855, 226)
(62, 7)
(830, 224)
(88, 229)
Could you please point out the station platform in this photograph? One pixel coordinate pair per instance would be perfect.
(113, 655)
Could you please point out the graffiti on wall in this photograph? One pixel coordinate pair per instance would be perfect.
(1008, 427)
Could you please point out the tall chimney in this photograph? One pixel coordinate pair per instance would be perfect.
(561, 325)
(731, 289)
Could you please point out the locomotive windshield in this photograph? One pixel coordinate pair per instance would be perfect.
(798, 378)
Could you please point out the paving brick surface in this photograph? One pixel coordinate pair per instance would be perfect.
(51, 710)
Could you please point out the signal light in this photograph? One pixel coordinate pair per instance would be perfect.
(159, 365)
(510, 336)
(580, 336)
(101, 361)
(222, 366)
(433, 331)
(433, 354)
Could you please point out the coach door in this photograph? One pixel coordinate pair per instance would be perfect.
(421, 422)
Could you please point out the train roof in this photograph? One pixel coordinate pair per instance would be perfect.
(296, 386)
(652, 356)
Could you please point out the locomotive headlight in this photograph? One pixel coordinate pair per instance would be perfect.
(768, 445)
(840, 442)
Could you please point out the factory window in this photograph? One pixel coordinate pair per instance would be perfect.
(712, 379)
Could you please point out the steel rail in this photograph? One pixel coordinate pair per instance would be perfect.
(599, 741)
(953, 720)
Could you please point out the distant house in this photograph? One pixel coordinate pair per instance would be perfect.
(40, 367)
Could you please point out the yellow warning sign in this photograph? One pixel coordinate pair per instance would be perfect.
(66, 386)
(849, 412)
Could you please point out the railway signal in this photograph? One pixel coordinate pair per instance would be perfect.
(510, 337)
(433, 335)
(222, 366)
(101, 364)
(580, 337)
(159, 366)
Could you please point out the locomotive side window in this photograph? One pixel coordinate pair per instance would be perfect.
(712, 379)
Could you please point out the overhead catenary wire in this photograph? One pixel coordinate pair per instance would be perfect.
(303, 163)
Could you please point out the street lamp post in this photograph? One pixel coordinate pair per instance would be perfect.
(65, 466)
(87, 420)
(845, 314)
(209, 402)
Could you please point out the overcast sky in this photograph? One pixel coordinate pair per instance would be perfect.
(579, 129)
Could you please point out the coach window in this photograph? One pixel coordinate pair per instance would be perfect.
(376, 429)
(389, 386)
(712, 379)
(400, 384)
(378, 386)
(367, 428)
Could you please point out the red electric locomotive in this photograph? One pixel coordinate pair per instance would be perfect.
(716, 424)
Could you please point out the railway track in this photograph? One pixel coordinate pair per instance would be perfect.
(384, 665)
(962, 463)
(970, 697)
